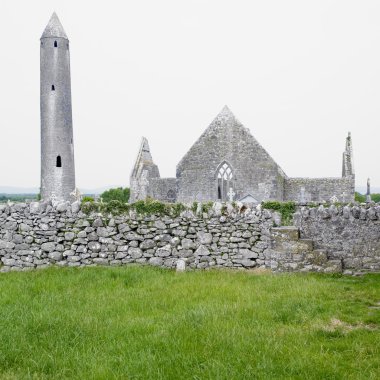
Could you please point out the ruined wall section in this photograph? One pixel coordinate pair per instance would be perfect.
(349, 234)
(305, 190)
(163, 189)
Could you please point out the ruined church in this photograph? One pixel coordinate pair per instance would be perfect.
(227, 163)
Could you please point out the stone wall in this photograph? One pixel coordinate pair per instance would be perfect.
(330, 239)
(38, 235)
(349, 234)
(163, 189)
(320, 189)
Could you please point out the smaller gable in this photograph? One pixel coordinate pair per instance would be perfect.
(248, 199)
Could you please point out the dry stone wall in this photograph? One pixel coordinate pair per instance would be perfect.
(38, 235)
(350, 234)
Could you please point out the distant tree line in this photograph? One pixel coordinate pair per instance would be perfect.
(118, 194)
(17, 197)
(362, 198)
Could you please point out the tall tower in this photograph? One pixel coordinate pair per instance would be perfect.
(348, 158)
(57, 149)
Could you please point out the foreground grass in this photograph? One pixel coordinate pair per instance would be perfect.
(146, 323)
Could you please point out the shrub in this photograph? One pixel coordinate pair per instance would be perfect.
(359, 197)
(286, 209)
(87, 198)
(119, 194)
(88, 207)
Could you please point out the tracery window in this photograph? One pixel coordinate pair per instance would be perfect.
(224, 177)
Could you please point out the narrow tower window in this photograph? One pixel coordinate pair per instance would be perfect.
(55, 44)
(52, 87)
(59, 162)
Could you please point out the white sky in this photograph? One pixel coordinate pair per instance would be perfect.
(298, 74)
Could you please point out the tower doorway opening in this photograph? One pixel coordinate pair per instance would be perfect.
(59, 162)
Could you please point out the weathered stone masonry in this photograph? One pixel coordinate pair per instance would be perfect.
(350, 235)
(227, 163)
(322, 240)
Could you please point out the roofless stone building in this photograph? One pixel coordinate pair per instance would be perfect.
(57, 149)
(228, 163)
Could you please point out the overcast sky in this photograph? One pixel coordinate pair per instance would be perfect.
(298, 74)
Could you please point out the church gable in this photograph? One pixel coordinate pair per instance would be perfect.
(246, 167)
(143, 172)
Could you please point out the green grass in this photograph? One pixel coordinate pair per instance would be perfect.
(147, 323)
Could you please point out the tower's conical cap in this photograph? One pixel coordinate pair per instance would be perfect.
(54, 28)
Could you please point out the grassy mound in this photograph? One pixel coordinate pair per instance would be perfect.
(148, 323)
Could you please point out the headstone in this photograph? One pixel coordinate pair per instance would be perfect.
(181, 265)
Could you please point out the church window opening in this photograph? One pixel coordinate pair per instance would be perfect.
(59, 162)
(225, 176)
(55, 44)
(52, 87)
(170, 195)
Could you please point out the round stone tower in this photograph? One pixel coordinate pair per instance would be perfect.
(57, 149)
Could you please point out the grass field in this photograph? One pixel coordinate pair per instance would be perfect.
(147, 323)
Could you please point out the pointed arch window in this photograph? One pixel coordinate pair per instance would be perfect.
(52, 87)
(59, 162)
(224, 178)
(55, 44)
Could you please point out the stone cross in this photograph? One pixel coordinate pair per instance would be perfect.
(231, 194)
(334, 199)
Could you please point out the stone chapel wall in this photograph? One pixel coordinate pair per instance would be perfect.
(319, 189)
